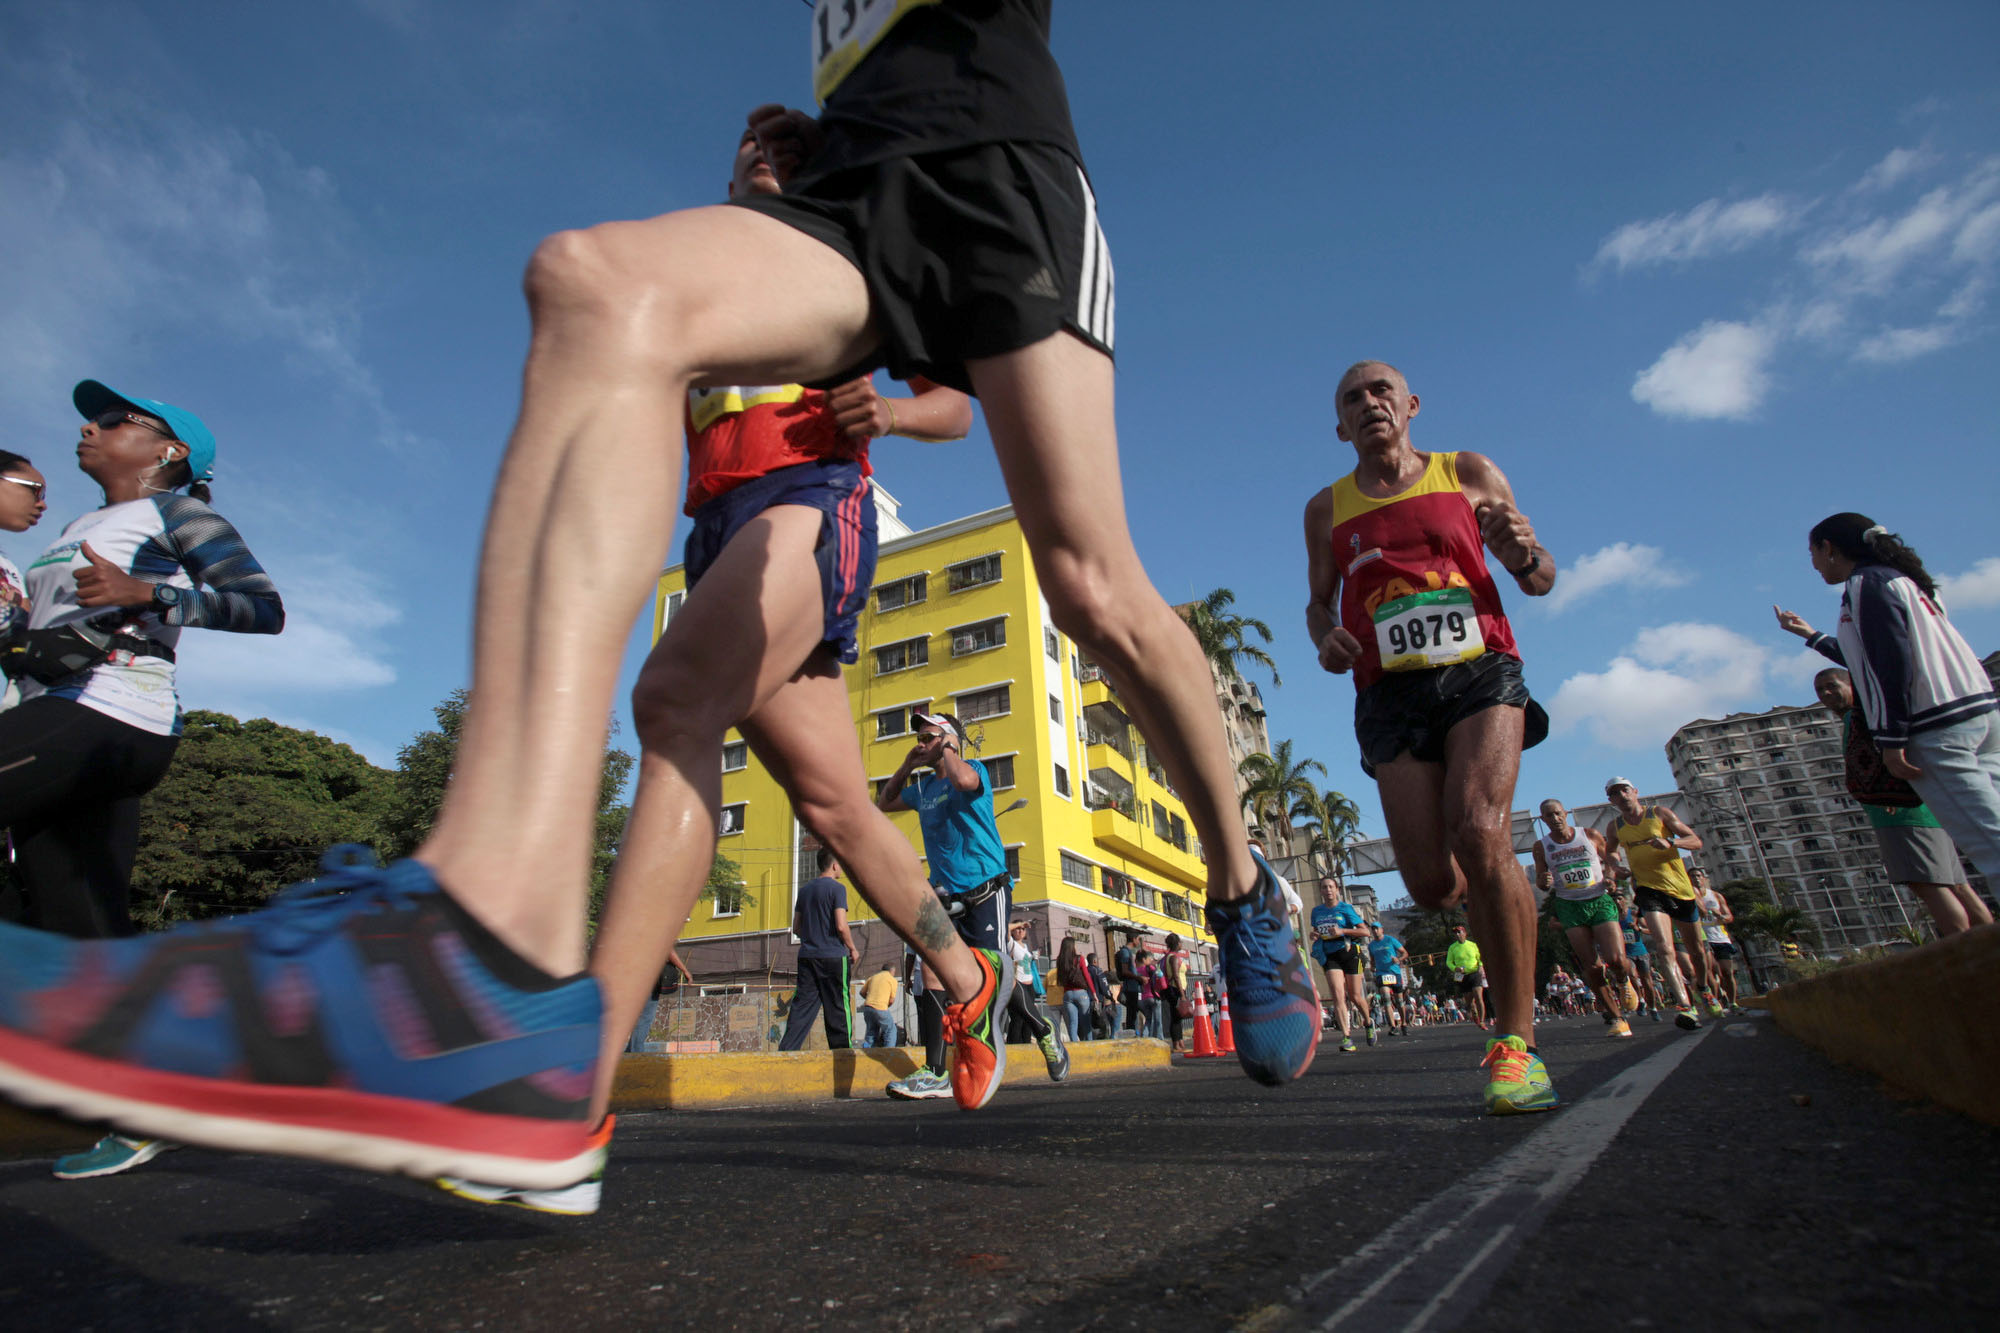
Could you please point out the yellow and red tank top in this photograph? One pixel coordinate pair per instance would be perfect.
(1414, 588)
(739, 433)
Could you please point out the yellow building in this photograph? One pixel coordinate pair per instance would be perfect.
(1097, 840)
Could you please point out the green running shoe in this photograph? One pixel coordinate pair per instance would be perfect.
(921, 1086)
(1347, 1045)
(1056, 1051)
(1518, 1084)
(112, 1154)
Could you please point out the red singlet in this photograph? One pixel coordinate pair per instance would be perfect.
(742, 432)
(1414, 589)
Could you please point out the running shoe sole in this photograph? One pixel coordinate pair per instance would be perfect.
(578, 1200)
(349, 1022)
(139, 1156)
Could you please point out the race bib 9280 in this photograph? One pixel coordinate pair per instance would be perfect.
(843, 31)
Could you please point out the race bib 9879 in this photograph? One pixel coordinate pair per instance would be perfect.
(1428, 629)
(843, 31)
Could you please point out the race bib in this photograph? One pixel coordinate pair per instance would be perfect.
(843, 31)
(1428, 629)
(1575, 876)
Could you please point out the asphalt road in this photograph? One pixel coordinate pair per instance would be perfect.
(1755, 1186)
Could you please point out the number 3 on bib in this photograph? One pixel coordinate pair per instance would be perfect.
(843, 31)
(1428, 629)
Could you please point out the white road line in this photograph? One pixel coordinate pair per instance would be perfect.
(1430, 1269)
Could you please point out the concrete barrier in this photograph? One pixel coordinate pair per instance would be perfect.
(1922, 1020)
(705, 1082)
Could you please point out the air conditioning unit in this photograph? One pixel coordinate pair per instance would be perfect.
(962, 643)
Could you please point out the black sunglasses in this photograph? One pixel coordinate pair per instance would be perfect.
(115, 418)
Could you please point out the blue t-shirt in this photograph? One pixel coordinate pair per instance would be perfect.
(960, 838)
(1382, 953)
(818, 899)
(1635, 943)
(1327, 920)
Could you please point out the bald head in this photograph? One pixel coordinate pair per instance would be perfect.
(1373, 406)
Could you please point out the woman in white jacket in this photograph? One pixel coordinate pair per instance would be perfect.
(1928, 702)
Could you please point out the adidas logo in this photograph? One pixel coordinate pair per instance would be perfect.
(1043, 284)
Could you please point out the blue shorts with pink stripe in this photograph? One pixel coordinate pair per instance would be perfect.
(846, 552)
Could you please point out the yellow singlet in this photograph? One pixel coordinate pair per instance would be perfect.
(1651, 867)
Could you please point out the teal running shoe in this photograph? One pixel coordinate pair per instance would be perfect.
(113, 1153)
(1273, 1005)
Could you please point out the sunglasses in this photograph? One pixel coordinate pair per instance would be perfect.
(114, 419)
(39, 488)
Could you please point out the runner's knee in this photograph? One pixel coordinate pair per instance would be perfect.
(671, 700)
(1101, 611)
(591, 279)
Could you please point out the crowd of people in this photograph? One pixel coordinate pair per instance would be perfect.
(953, 239)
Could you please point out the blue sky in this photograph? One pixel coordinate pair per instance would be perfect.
(1695, 276)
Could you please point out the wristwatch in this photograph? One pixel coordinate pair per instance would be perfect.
(165, 598)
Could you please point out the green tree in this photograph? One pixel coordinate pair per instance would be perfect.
(1225, 636)
(1276, 788)
(725, 890)
(423, 771)
(1744, 894)
(1780, 925)
(247, 808)
(1334, 822)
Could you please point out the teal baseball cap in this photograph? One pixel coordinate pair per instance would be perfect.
(94, 399)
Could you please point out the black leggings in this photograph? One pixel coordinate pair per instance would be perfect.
(70, 784)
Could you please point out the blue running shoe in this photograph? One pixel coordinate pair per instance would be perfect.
(1272, 1000)
(363, 1018)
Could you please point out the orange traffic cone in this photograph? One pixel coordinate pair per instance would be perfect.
(1227, 1044)
(1204, 1036)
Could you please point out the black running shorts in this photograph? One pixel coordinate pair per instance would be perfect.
(1411, 712)
(1645, 899)
(968, 253)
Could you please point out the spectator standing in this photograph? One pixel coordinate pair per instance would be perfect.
(1131, 986)
(1078, 1001)
(1929, 705)
(878, 1008)
(826, 952)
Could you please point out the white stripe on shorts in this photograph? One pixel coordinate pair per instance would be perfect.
(1096, 301)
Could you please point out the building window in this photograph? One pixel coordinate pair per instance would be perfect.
(1052, 643)
(892, 722)
(973, 573)
(1000, 772)
(732, 818)
(984, 703)
(1160, 824)
(901, 593)
(729, 900)
(1117, 885)
(1062, 781)
(1055, 709)
(735, 755)
(674, 602)
(1076, 870)
(1178, 835)
(978, 638)
(902, 656)
(1014, 863)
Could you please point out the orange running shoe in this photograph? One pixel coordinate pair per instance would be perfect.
(973, 1029)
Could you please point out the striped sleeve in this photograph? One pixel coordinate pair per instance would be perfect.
(232, 590)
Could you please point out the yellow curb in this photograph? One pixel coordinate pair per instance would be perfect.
(1922, 1020)
(705, 1082)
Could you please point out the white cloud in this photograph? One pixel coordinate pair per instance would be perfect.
(1869, 256)
(1709, 228)
(332, 618)
(1618, 563)
(1893, 345)
(1899, 165)
(1669, 676)
(1975, 588)
(1721, 370)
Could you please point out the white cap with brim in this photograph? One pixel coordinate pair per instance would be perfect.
(94, 399)
(941, 722)
(1615, 783)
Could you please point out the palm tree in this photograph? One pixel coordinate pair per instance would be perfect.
(1276, 789)
(1225, 637)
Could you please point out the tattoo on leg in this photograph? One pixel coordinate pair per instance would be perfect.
(933, 930)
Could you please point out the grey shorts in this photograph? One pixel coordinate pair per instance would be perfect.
(1919, 855)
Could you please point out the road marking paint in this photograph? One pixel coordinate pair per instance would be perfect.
(1430, 1269)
